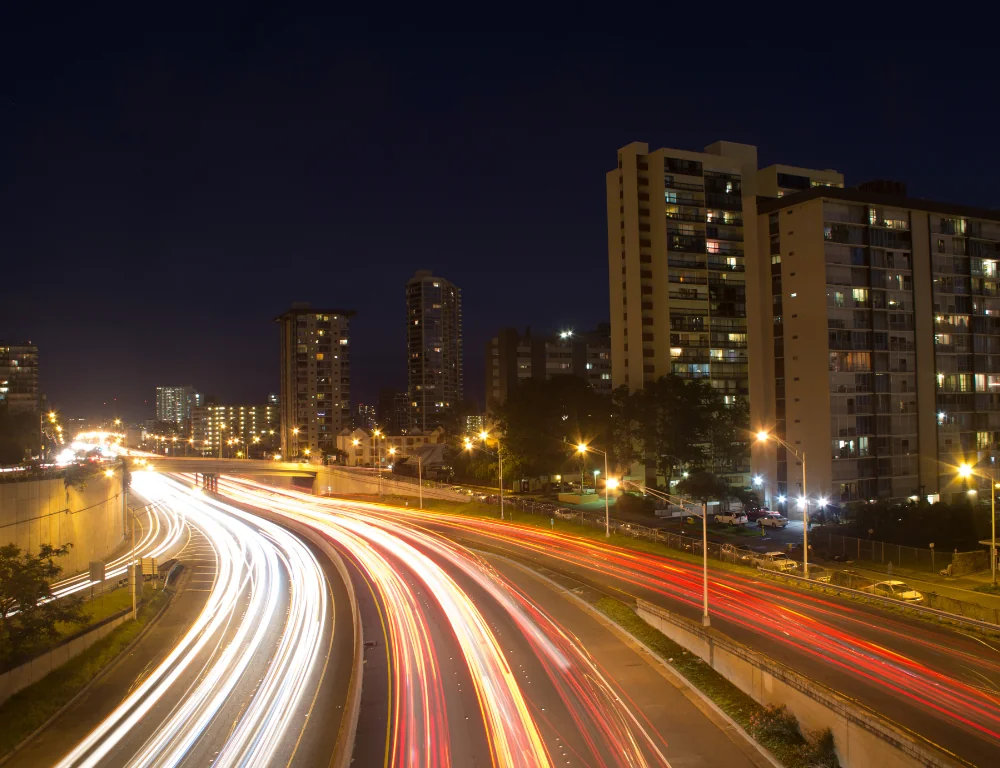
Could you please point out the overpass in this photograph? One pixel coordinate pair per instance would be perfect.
(332, 480)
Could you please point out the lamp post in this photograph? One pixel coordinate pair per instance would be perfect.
(966, 471)
(582, 448)
(295, 441)
(763, 437)
(484, 435)
(378, 457)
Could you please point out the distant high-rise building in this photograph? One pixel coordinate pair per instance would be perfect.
(19, 391)
(215, 425)
(365, 416)
(174, 404)
(434, 347)
(315, 400)
(474, 424)
(511, 358)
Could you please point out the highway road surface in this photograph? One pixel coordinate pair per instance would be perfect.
(237, 669)
(467, 666)
(940, 683)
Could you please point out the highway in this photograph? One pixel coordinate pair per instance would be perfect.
(238, 674)
(940, 683)
(464, 668)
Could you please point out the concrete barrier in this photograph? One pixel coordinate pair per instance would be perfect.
(32, 671)
(35, 512)
(340, 481)
(862, 737)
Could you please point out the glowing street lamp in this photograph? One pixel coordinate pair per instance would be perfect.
(582, 449)
(484, 435)
(763, 437)
(966, 471)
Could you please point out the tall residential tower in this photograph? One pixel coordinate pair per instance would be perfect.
(315, 399)
(434, 351)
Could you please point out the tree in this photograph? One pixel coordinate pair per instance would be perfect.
(542, 419)
(704, 486)
(28, 615)
(625, 429)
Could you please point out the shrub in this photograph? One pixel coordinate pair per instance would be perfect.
(633, 503)
(819, 752)
(774, 722)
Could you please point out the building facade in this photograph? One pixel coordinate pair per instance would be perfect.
(879, 350)
(434, 351)
(19, 392)
(315, 397)
(175, 405)
(370, 451)
(214, 426)
(511, 358)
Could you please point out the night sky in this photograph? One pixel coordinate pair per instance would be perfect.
(170, 184)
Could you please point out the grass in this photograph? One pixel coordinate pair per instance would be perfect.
(28, 709)
(787, 744)
(97, 610)
(989, 589)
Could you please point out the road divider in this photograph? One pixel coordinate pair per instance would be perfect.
(862, 736)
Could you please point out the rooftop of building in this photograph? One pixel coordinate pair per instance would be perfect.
(303, 308)
(867, 196)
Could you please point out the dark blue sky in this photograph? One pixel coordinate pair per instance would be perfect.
(170, 184)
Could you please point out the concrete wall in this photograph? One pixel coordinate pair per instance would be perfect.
(861, 736)
(337, 481)
(32, 671)
(36, 512)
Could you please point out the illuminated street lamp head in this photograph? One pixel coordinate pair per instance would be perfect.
(118, 421)
(392, 451)
(612, 483)
(376, 433)
(355, 442)
(757, 480)
(109, 473)
(781, 499)
(256, 438)
(305, 451)
(295, 430)
(965, 471)
(762, 436)
(483, 435)
(581, 448)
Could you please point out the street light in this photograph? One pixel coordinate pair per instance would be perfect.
(966, 471)
(469, 447)
(582, 449)
(763, 437)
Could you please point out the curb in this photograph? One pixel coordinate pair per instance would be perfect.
(90, 683)
(679, 680)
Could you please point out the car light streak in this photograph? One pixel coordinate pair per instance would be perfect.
(607, 732)
(266, 582)
(783, 615)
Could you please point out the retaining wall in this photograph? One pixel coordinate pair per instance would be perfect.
(337, 481)
(32, 671)
(35, 512)
(862, 737)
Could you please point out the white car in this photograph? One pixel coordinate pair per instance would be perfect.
(774, 561)
(773, 521)
(897, 590)
(732, 518)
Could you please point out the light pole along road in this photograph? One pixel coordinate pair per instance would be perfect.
(763, 437)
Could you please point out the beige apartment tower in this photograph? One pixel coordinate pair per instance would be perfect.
(877, 337)
(683, 257)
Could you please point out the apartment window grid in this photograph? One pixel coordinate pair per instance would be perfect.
(966, 296)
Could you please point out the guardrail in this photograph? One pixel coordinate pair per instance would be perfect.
(972, 614)
(991, 626)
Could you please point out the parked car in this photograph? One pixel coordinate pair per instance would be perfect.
(897, 590)
(774, 561)
(731, 518)
(755, 514)
(773, 522)
(816, 573)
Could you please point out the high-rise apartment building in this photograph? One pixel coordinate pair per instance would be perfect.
(19, 391)
(365, 417)
(315, 378)
(174, 405)
(511, 358)
(213, 426)
(434, 351)
(878, 351)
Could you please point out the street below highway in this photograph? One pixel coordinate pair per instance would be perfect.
(466, 663)
(236, 668)
(940, 683)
